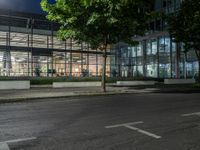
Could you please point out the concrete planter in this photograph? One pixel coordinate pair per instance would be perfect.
(179, 81)
(14, 85)
(134, 83)
(75, 84)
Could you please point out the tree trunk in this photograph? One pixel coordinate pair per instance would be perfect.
(103, 81)
(198, 57)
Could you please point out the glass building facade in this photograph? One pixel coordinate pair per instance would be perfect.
(29, 47)
(156, 56)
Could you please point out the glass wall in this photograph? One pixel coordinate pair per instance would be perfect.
(3, 38)
(158, 57)
(151, 58)
(19, 39)
(164, 57)
(29, 47)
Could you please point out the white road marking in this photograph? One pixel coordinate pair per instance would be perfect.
(4, 145)
(143, 132)
(123, 124)
(191, 114)
(129, 126)
(20, 140)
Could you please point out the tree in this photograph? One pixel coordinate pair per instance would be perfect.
(100, 23)
(184, 26)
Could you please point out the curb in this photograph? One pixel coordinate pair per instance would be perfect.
(25, 99)
(79, 94)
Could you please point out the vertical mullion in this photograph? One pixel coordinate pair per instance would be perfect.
(171, 55)
(31, 46)
(82, 57)
(28, 55)
(144, 58)
(52, 62)
(70, 57)
(97, 67)
(88, 61)
(158, 57)
(65, 58)
(47, 56)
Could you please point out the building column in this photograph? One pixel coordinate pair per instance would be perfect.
(88, 61)
(185, 65)
(136, 61)
(28, 56)
(32, 23)
(82, 47)
(65, 69)
(7, 64)
(171, 55)
(144, 58)
(97, 73)
(47, 57)
(177, 60)
(52, 61)
(7, 56)
(70, 74)
(130, 66)
(158, 58)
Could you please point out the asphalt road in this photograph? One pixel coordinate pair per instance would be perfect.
(120, 122)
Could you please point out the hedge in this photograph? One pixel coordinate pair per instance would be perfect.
(50, 80)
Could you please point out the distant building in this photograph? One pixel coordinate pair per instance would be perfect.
(156, 55)
(29, 47)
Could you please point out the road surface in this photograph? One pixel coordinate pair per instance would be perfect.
(119, 122)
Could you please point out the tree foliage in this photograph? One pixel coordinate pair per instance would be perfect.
(100, 22)
(184, 25)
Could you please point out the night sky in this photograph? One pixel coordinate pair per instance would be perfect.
(22, 5)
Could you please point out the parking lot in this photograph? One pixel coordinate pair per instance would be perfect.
(120, 122)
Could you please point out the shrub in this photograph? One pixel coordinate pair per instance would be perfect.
(197, 85)
(50, 80)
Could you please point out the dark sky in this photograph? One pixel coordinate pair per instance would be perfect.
(22, 5)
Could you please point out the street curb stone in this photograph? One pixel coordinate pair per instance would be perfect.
(78, 94)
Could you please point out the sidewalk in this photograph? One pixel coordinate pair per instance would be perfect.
(7, 96)
(41, 93)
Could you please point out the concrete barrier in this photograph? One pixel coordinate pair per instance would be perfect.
(76, 84)
(14, 85)
(134, 83)
(179, 81)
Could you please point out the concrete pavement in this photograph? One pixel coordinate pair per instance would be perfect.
(49, 92)
(41, 93)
